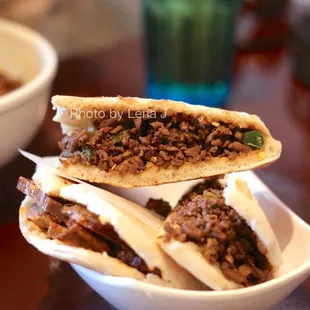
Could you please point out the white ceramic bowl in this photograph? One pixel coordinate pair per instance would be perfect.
(293, 235)
(26, 55)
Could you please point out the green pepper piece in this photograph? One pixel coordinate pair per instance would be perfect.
(254, 139)
(89, 154)
(118, 138)
(215, 206)
(129, 125)
(91, 130)
(208, 194)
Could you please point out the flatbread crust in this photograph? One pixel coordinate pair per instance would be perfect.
(137, 234)
(153, 175)
(238, 196)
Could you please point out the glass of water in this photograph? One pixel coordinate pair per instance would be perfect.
(190, 49)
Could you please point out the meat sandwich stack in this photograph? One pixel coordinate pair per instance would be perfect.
(216, 237)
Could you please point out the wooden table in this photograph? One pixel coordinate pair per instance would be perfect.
(263, 85)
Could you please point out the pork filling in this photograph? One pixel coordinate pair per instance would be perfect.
(222, 235)
(128, 144)
(74, 225)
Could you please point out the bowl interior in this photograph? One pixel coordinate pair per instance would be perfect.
(19, 56)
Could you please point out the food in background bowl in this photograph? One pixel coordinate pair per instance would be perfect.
(8, 83)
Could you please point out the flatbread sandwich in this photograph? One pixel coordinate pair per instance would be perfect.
(82, 224)
(135, 142)
(219, 234)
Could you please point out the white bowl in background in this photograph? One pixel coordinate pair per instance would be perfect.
(293, 235)
(26, 55)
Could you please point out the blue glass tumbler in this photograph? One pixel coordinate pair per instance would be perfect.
(189, 48)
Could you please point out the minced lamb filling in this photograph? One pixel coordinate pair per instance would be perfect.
(223, 236)
(74, 225)
(159, 206)
(128, 144)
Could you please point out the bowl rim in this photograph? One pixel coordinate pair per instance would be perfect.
(47, 71)
(152, 288)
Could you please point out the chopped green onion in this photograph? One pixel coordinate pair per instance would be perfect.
(208, 194)
(91, 130)
(89, 154)
(254, 139)
(118, 138)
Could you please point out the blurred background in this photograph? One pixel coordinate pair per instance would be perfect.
(183, 42)
(185, 48)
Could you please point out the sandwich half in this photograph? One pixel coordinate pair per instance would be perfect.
(76, 223)
(221, 236)
(134, 142)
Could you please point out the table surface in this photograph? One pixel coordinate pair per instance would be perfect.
(263, 85)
